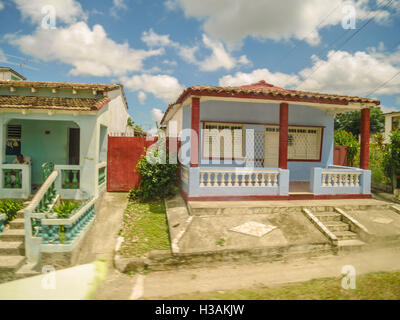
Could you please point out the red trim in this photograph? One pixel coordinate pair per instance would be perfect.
(290, 197)
(283, 135)
(263, 97)
(195, 137)
(365, 137)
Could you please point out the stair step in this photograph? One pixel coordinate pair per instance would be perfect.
(337, 226)
(12, 235)
(351, 245)
(20, 213)
(17, 224)
(345, 235)
(11, 263)
(12, 248)
(328, 216)
(27, 270)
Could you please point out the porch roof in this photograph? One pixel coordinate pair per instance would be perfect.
(52, 103)
(264, 90)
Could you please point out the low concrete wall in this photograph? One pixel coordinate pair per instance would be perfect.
(165, 260)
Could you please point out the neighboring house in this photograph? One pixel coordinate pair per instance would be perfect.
(63, 123)
(10, 74)
(278, 143)
(392, 122)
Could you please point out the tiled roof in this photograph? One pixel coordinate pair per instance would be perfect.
(264, 90)
(59, 85)
(73, 104)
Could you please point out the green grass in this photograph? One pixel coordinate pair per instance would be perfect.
(144, 229)
(373, 286)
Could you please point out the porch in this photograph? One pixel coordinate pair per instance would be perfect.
(56, 141)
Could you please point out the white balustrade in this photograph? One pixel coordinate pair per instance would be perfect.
(238, 178)
(339, 178)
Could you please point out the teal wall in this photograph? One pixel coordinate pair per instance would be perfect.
(42, 147)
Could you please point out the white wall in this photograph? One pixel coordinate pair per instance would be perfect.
(118, 114)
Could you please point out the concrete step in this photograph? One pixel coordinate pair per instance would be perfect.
(20, 213)
(337, 226)
(17, 223)
(12, 235)
(351, 245)
(27, 270)
(345, 235)
(328, 216)
(12, 248)
(11, 263)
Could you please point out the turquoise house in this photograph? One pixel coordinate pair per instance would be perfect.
(66, 124)
(262, 142)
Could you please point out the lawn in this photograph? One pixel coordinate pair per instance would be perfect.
(144, 229)
(373, 286)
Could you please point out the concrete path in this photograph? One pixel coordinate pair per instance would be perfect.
(102, 238)
(77, 283)
(159, 285)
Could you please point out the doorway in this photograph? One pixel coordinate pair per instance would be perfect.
(73, 146)
(271, 147)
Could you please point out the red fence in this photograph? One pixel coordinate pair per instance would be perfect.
(122, 156)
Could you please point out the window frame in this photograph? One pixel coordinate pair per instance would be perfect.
(232, 124)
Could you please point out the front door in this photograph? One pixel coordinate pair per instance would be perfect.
(74, 146)
(271, 147)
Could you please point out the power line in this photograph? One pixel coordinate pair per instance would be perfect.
(383, 84)
(348, 39)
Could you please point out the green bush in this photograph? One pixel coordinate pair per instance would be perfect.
(10, 208)
(344, 138)
(158, 179)
(65, 208)
(391, 155)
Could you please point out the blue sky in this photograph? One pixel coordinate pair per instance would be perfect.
(157, 48)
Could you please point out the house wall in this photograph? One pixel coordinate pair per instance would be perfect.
(118, 116)
(263, 113)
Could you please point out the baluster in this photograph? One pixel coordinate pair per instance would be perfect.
(230, 179)
(275, 179)
(17, 183)
(66, 179)
(75, 182)
(259, 179)
(324, 180)
(269, 180)
(357, 180)
(236, 179)
(8, 181)
(202, 179)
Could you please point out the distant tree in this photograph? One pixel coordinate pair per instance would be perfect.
(351, 121)
(130, 122)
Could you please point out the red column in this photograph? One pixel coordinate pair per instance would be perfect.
(365, 132)
(283, 135)
(194, 139)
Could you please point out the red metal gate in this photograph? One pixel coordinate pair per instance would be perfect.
(122, 156)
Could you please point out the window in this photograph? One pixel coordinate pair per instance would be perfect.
(395, 123)
(13, 140)
(304, 143)
(223, 141)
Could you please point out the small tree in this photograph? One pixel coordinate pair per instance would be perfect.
(158, 178)
(392, 157)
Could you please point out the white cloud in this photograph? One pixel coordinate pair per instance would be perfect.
(118, 5)
(234, 20)
(89, 51)
(386, 109)
(340, 73)
(152, 39)
(67, 11)
(355, 74)
(278, 78)
(219, 57)
(1, 5)
(163, 87)
(142, 97)
(157, 115)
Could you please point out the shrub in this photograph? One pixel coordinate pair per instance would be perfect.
(65, 208)
(344, 138)
(10, 208)
(158, 179)
(391, 156)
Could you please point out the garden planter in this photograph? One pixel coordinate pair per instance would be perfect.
(340, 156)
